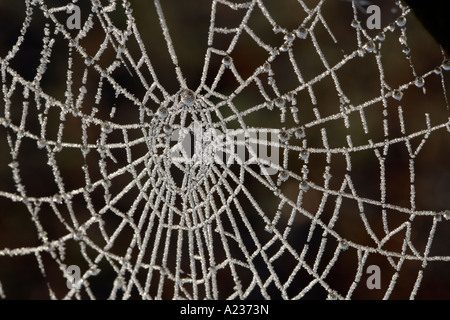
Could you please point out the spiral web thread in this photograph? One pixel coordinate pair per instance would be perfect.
(204, 232)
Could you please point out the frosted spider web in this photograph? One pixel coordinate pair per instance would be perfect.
(360, 119)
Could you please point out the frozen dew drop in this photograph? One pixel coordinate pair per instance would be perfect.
(284, 175)
(284, 47)
(77, 236)
(304, 154)
(300, 133)
(107, 184)
(274, 52)
(279, 102)
(41, 143)
(391, 27)
(446, 214)
(370, 46)
(419, 82)
(283, 135)
(89, 61)
(303, 186)
(89, 188)
(57, 199)
(51, 162)
(95, 270)
(289, 37)
(406, 50)
(163, 112)
(167, 129)
(381, 36)
(290, 96)
(101, 149)
(361, 53)
(446, 65)
(227, 61)
(302, 33)
(397, 95)
(84, 150)
(83, 89)
(332, 296)
(355, 24)
(106, 128)
(343, 244)
(266, 67)
(187, 97)
(13, 165)
(401, 21)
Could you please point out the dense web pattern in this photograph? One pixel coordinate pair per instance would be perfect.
(89, 136)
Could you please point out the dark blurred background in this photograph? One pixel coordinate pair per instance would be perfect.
(188, 22)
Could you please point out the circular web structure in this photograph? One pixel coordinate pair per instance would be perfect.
(222, 150)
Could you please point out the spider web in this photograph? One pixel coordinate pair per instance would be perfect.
(357, 120)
